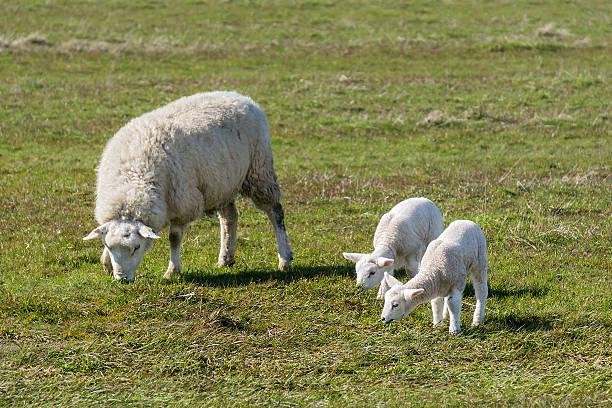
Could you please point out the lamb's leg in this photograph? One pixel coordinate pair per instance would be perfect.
(105, 259)
(479, 281)
(445, 312)
(228, 218)
(412, 266)
(454, 310)
(383, 287)
(437, 307)
(176, 237)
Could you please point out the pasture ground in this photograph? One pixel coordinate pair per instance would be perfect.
(498, 111)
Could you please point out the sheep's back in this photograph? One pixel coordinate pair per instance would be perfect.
(193, 153)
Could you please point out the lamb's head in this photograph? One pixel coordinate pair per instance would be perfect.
(369, 268)
(399, 300)
(126, 242)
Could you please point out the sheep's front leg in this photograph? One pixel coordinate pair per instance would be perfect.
(228, 219)
(105, 259)
(176, 237)
(437, 306)
(454, 310)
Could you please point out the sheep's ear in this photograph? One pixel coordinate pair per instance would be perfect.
(411, 293)
(100, 231)
(352, 256)
(381, 262)
(147, 232)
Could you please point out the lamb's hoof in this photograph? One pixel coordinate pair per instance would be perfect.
(225, 262)
(454, 331)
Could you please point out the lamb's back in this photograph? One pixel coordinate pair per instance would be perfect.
(409, 223)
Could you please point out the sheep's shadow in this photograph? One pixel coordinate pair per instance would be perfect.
(246, 277)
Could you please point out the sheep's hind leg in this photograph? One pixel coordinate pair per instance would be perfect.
(228, 219)
(270, 204)
(176, 237)
(277, 218)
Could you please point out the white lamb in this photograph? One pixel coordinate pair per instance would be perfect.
(177, 163)
(442, 276)
(401, 237)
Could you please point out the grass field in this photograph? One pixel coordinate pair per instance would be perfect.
(498, 111)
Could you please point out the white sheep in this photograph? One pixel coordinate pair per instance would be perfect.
(401, 237)
(460, 249)
(178, 163)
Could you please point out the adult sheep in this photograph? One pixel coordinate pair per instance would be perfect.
(177, 163)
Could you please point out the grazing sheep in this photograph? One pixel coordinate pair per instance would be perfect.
(460, 249)
(401, 237)
(178, 163)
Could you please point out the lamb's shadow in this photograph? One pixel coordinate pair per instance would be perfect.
(504, 293)
(246, 277)
(522, 323)
(516, 321)
(522, 292)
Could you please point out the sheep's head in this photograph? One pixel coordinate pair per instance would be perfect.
(369, 268)
(399, 300)
(126, 242)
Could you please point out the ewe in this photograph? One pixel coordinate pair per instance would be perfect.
(178, 163)
(401, 238)
(460, 249)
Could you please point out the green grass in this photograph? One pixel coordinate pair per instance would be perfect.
(481, 106)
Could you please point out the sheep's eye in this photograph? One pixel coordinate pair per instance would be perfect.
(372, 273)
(394, 305)
(136, 249)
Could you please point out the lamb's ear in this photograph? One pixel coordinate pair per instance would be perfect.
(352, 256)
(100, 231)
(381, 262)
(147, 232)
(410, 293)
(388, 281)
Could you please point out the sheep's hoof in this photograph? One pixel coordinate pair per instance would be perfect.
(284, 264)
(171, 272)
(225, 262)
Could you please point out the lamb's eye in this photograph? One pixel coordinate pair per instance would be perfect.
(371, 273)
(394, 305)
(136, 249)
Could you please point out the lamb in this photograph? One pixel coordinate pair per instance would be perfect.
(442, 276)
(401, 237)
(177, 163)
